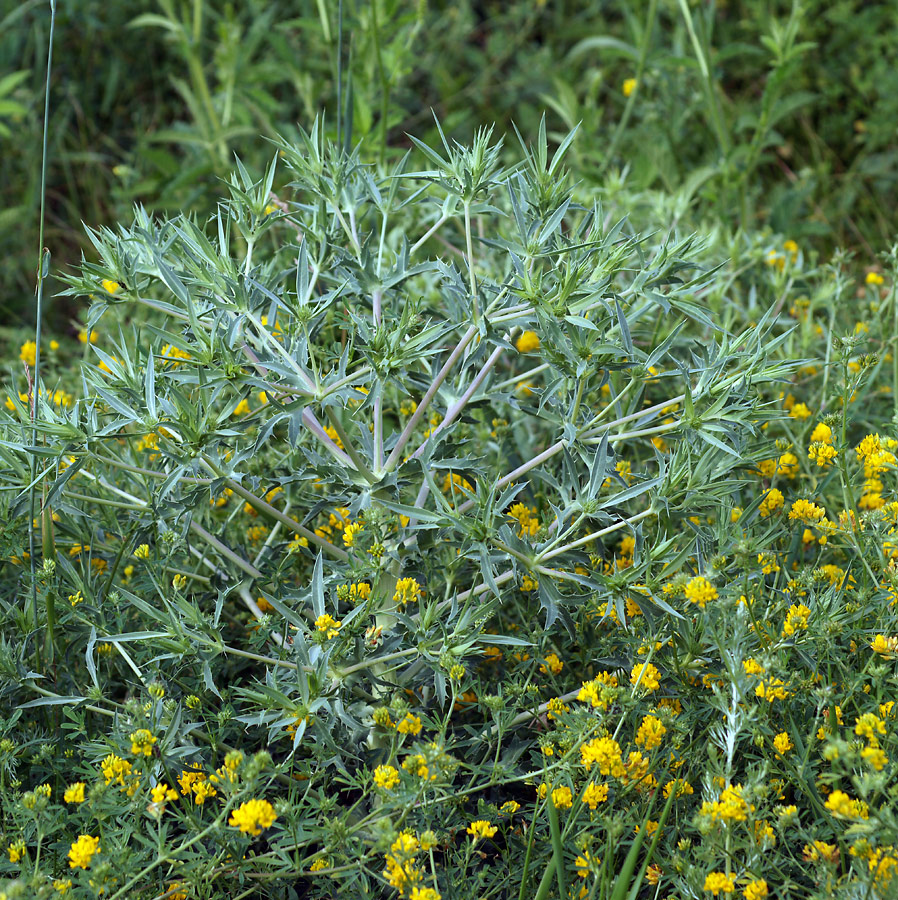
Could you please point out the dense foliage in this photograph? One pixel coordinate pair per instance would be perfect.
(435, 519)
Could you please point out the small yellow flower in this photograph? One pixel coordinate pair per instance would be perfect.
(407, 591)
(386, 777)
(349, 533)
(755, 890)
(28, 353)
(874, 278)
(82, 851)
(719, 883)
(142, 742)
(822, 453)
(328, 625)
(773, 500)
(553, 664)
(595, 794)
(481, 828)
(886, 647)
(111, 287)
(650, 733)
(528, 342)
(253, 816)
(179, 582)
(645, 675)
(629, 86)
(76, 598)
(162, 793)
(700, 591)
(74, 793)
(16, 851)
(562, 798)
(410, 724)
(782, 743)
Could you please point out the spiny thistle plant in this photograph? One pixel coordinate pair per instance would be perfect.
(402, 537)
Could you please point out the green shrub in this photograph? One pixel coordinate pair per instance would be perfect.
(314, 471)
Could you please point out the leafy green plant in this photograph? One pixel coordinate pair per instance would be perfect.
(299, 414)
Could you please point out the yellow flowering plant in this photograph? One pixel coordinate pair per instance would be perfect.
(341, 592)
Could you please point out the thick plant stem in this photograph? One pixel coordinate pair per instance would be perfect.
(393, 458)
(473, 278)
(273, 512)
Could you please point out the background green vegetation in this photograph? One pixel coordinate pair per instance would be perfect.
(794, 125)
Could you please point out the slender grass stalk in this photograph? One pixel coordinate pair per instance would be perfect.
(710, 87)
(631, 100)
(43, 267)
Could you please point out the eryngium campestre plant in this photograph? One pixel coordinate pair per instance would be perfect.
(340, 445)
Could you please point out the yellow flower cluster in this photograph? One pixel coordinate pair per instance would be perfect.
(651, 731)
(700, 591)
(401, 871)
(806, 511)
(253, 816)
(730, 807)
(796, 619)
(822, 454)
(142, 742)
(645, 676)
(773, 500)
(386, 777)
(481, 828)
(195, 782)
(327, 625)
(719, 883)
(82, 851)
(407, 591)
(118, 771)
(599, 692)
(595, 794)
(527, 519)
(604, 752)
